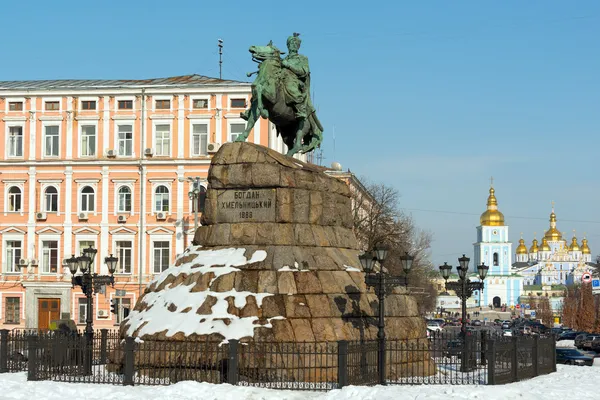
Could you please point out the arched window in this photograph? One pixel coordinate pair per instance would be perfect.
(161, 199)
(496, 259)
(14, 199)
(124, 199)
(87, 199)
(51, 199)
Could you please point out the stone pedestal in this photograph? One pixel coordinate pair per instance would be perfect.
(300, 277)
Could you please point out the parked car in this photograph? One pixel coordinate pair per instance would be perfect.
(506, 325)
(440, 321)
(571, 335)
(434, 326)
(507, 332)
(579, 339)
(476, 322)
(586, 343)
(573, 357)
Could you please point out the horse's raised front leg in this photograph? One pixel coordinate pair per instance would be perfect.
(251, 116)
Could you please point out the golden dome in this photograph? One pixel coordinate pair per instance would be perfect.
(574, 246)
(534, 247)
(584, 247)
(545, 246)
(492, 217)
(553, 234)
(521, 248)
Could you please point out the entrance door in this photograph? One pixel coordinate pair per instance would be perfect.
(497, 302)
(48, 310)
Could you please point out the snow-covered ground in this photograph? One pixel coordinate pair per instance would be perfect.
(569, 382)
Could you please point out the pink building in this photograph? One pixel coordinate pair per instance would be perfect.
(104, 163)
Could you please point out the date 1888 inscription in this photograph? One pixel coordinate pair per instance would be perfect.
(254, 205)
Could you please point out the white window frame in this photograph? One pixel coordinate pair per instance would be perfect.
(192, 124)
(80, 141)
(155, 187)
(85, 238)
(197, 97)
(118, 198)
(15, 100)
(81, 306)
(10, 125)
(234, 96)
(117, 124)
(11, 238)
(43, 198)
(49, 238)
(51, 100)
(80, 198)
(160, 238)
(163, 97)
(7, 187)
(82, 99)
(119, 303)
(116, 253)
(45, 125)
(232, 122)
(124, 98)
(118, 183)
(154, 141)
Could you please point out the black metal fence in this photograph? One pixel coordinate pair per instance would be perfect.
(520, 358)
(445, 358)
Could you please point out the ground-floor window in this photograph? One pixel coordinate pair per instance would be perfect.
(82, 310)
(123, 308)
(12, 310)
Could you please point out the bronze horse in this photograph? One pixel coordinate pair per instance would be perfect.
(269, 100)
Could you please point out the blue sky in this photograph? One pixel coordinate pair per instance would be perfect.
(431, 97)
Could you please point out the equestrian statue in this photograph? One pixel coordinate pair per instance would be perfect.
(281, 93)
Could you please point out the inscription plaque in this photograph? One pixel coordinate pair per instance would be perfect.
(251, 205)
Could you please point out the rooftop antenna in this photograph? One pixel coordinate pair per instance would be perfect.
(333, 134)
(220, 58)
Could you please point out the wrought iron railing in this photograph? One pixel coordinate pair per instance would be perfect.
(480, 357)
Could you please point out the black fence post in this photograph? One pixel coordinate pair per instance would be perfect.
(88, 341)
(535, 356)
(553, 345)
(491, 348)
(342, 363)
(103, 345)
(515, 359)
(484, 339)
(32, 358)
(232, 364)
(128, 361)
(3, 350)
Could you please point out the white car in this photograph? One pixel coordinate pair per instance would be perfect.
(434, 326)
(507, 332)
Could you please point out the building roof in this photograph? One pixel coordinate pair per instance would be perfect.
(66, 84)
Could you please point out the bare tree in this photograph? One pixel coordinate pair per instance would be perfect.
(544, 311)
(570, 306)
(378, 220)
(586, 313)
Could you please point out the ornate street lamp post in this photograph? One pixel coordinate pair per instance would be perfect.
(464, 289)
(90, 283)
(196, 196)
(383, 284)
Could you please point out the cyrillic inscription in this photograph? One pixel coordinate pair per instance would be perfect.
(253, 205)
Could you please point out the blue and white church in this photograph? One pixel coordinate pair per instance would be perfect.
(503, 284)
(555, 262)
